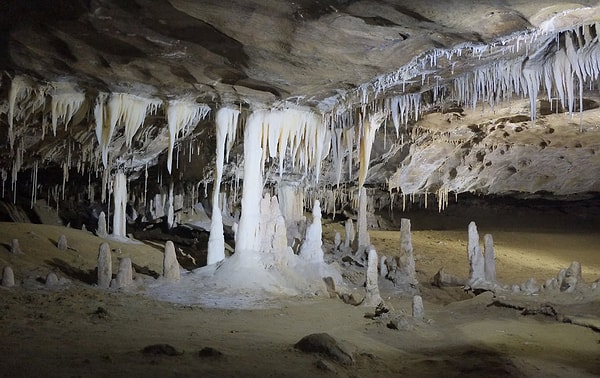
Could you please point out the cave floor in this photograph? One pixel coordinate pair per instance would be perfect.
(79, 330)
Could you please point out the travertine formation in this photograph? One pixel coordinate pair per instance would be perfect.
(104, 266)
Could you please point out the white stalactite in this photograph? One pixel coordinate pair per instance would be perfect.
(181, 116)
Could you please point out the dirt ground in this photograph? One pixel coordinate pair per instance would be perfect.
(79, 330)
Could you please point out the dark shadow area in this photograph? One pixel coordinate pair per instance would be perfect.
(86, 276)
(464, 361)
(145, 271)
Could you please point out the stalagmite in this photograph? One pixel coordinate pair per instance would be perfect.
(489, 258)
(417, 307)
(476, 261)
(170, 208)
(337, 240)
(15, 248)
(312, 247)
(102, 232)
(62, 243)
(124, 274)
(51, 279)
(383, 270)
(363, 239)
(372, 297)
(8, 277)
(571, 278)
(170, 263)
(271, 230)
(226, 123)
(349, 233)
(104, 266)
(120, 202)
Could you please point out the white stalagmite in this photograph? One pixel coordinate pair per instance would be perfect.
(104, 266)
(312, 247)
(226, 126)
(291, 202)
(417, 307)
(372, 298)
(8, 277)
(476, 261)
(62, 243)
(406, 260)
(181, 116)
(170, 263)
(15, 247)
(489, 258)
(349, 233)
(363, 240)
(66, 101)
(120, 202)
(125, 273)
(102, 232)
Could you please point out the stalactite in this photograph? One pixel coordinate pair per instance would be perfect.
(120, 204)
(181, 115)
(366, 144)
(66, 101)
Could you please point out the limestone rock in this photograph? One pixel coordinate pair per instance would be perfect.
(8, 277)
(170, 263)
(441, 279)
(324, 344)
(62, 243)
(104, 266)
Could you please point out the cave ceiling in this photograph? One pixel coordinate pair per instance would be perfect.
(492, 97)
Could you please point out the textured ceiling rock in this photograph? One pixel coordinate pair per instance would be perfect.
(91, 87)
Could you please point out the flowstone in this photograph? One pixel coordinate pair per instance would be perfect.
(170, 263)
(8, 277)
(104, 266)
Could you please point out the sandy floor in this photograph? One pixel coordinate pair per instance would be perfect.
(79, 330)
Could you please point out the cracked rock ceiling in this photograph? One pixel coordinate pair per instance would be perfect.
(492, 97)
